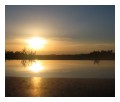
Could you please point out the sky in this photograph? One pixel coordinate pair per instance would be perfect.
(67, 29)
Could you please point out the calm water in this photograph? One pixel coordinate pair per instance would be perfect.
(60, 68)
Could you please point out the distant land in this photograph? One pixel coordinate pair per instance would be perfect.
(31, 55)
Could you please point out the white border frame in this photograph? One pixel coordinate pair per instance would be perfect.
(58, 2)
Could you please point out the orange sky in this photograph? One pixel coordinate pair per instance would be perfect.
(66, 29)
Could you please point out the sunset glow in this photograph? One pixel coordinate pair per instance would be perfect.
(59, 50)
(36, 43)
(60, 29)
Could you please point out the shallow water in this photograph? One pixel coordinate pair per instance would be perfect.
(60, 68)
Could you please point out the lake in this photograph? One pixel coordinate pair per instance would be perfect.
(60, 68)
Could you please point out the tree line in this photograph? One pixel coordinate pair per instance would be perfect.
(29, 54)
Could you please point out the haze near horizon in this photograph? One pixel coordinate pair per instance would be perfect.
(60, 29)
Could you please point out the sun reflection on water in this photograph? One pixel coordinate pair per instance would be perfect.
(36, 67)
(36, 84)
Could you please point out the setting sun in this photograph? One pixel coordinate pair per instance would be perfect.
(36, 42)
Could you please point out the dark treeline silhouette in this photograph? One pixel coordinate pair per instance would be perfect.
(24, 54)
(95, 55)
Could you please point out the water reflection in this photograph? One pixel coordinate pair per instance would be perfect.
(27, 63)
(35, 86)
(36, 67)
(32, 65)
(96, 61)
(61, 68)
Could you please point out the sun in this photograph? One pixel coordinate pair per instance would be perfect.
(36, 42)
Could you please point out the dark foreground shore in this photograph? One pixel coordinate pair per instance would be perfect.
(58, 87)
